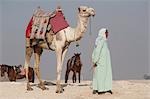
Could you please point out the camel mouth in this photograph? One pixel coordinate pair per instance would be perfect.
(93, 15)
(87, 15)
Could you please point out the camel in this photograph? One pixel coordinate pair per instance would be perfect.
(59, 44)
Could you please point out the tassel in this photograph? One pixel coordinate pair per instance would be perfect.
(77, 44)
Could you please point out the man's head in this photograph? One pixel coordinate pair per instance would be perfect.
(106, 33)
(103, 33)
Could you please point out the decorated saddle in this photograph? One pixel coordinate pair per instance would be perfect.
(42, 21)
(58, 22)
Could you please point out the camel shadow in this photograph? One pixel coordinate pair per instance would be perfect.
(51, 83)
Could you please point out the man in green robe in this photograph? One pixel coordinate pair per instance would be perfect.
(102, 75)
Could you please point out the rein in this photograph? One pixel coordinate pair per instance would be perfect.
(77, 43)
(90, 30)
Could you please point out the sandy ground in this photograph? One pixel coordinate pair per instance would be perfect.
(124, 89)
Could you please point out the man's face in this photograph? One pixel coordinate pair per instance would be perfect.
(106, 33)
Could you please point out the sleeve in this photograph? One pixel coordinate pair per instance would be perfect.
(97, 51)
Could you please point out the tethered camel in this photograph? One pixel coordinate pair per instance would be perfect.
(74, 64)
(60, 44)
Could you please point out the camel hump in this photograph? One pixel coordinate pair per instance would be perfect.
(58, 22)
(43, 21)
(40, 24)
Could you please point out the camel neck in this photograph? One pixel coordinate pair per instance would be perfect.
(75, 34)
(81, 27)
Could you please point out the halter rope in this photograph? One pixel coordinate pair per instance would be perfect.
(90, 31)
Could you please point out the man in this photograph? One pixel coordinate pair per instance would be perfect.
(102, 76)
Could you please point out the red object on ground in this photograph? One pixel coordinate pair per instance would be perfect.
(23, 71)
(58, 22)
(29, 28)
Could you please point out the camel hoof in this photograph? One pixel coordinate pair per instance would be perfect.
(42, 87)
(60, 90)
(29, 88)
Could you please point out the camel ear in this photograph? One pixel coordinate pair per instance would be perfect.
(79, 53)
(75, 54)
(79, 9)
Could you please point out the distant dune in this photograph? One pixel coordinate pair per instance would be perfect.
(124, 89)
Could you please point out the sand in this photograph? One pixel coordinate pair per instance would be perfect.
(123, 89)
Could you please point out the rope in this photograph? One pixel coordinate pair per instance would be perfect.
(90, 30)
(77, 44)
(90, 48)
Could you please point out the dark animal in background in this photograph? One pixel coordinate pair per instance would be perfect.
(74, 64)
(30, 74)
(14, 72)
(10, 72)
(3, 68)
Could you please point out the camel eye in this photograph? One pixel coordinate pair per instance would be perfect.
(84, 10)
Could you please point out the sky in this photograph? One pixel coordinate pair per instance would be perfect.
(149, 34)
(127, 22)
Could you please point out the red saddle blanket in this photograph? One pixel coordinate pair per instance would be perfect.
(29, 28)
(57, 23)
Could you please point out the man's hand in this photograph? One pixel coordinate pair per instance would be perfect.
(94, 65)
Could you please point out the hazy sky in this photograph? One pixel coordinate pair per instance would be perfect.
(149, 34)
(126, 20)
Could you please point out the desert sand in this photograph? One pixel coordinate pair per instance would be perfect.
(122, 89)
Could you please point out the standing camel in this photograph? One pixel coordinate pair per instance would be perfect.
(59, 44)
(74, 64)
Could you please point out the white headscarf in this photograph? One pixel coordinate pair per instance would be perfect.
(101, 35)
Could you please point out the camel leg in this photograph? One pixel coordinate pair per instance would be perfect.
(37, 54)
(67, 71)
(66, 76)
(63, 55)
(79, 76)
(29, 52)
(59, 69)
(73, 77)
(60, 58)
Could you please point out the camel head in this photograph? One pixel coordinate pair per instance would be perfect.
(85, 11)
